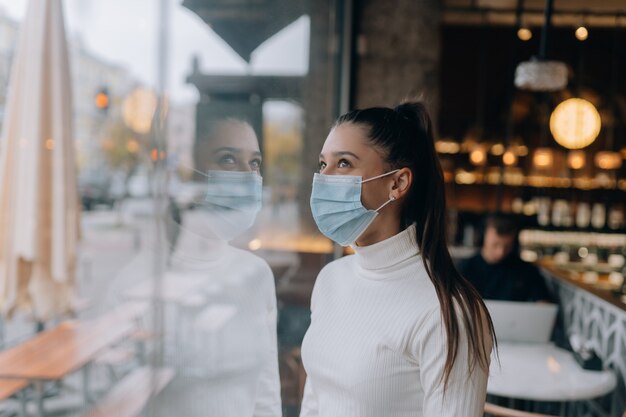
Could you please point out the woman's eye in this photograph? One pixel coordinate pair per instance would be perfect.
(227, 159)
(343, 163)
(322, 165)
(255, 164)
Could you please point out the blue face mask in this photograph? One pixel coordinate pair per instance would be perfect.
(234, 200)
(337, 208)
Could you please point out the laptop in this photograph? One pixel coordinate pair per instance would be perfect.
(522, 322)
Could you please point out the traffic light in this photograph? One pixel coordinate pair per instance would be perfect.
(102, 100)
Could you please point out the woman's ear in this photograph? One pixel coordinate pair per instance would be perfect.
(402, 181)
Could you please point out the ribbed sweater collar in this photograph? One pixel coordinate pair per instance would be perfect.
(388, 253)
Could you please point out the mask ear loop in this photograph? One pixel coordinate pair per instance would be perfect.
(380, 176)
(391, 199)
(196, 171)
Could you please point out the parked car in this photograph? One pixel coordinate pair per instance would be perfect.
(94, 189)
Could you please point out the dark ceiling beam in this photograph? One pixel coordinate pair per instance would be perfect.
(265, 86)
(555, 12)
(532, 17)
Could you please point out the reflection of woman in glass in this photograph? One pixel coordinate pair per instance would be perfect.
(395, 330)
(231, 364)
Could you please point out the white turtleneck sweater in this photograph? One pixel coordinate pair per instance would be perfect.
(377, 345)
(229, 356)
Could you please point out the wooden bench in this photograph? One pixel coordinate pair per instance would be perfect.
(56, 353)
(9, 387)
(131, 395)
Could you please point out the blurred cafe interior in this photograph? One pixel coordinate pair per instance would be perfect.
(506, 145)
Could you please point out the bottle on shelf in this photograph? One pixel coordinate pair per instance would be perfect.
(616, 217)
(543, 211)
(598, 216)
(583, 215)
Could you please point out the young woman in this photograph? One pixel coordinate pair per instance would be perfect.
(395, 330)
(230, 353)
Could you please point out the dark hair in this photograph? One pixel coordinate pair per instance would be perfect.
(504, 224)
(404, 136)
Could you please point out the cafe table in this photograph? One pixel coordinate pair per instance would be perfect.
(54, 354)
(177, 291)
(544, 372)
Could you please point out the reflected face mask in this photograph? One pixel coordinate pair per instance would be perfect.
(234, 199)
(337, 209)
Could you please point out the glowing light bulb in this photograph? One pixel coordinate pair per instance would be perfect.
(509, 158)
(524, 34)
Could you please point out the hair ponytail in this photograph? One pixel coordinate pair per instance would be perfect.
(404, 135)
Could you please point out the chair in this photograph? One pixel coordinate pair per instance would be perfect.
(496, 410)
(293, 376)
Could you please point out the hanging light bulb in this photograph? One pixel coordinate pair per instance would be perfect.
(576, 159)
(543, 157)
(478, 156)
(524, 34)
(509, 158)
(575, 123)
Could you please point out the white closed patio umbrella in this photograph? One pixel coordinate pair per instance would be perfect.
(39, 210)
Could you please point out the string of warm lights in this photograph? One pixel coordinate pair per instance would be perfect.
(581, 32)
(513, 176)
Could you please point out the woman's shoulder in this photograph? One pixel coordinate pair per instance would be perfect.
(251, 265)
(246, 257)
(338, 264)
(324, 281)
(341, 265)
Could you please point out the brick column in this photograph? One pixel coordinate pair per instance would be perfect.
(398, 52)
(319, 100)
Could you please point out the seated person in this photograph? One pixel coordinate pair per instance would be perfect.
(497, 271)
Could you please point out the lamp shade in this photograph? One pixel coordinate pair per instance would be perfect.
(575, 123)
(541, 75)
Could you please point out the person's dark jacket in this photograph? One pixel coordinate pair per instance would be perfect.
(509, 280)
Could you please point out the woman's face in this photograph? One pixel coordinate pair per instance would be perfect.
(347, 151)
(233, 146)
